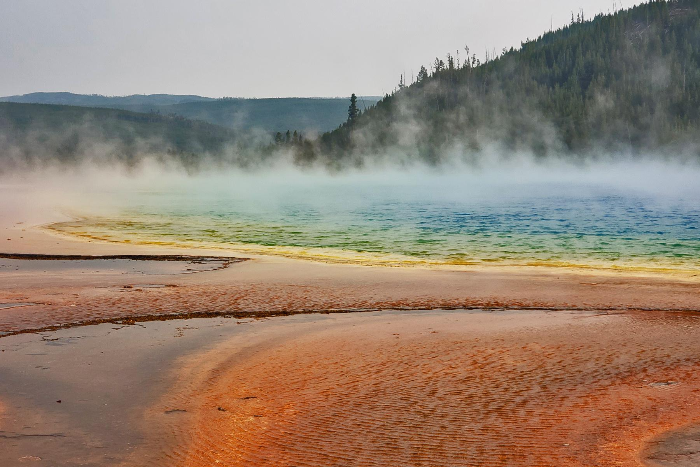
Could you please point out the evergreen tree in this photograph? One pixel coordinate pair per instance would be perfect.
(353, 111)
(422, 74)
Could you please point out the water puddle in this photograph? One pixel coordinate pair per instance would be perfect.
(146, 265)
(16, 305)
(678, 449)
(74, 396)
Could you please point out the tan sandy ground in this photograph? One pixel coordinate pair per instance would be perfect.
(434, 388)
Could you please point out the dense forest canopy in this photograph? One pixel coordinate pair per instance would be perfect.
(627, 82)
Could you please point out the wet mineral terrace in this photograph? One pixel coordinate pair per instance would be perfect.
(462, 388)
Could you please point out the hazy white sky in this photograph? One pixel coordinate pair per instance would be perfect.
(253, 48)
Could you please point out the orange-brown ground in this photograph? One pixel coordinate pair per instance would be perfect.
(278, 285)
(526, 388)
(435, 388)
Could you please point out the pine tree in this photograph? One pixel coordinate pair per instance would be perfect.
(422, 74)
(352, 110)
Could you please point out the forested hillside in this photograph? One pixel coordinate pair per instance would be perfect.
(308, 115)
(627, 82)
(34, 135)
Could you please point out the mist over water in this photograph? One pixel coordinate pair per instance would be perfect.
(631, 215)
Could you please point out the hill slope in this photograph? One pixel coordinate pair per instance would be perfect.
(97, 100)
(39, 134)
(627, 82)
(278, 114)
(271, 115)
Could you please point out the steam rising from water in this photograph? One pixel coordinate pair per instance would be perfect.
(627, 215)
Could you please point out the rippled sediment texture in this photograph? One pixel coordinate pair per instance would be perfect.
(454, 389)
(571, 226)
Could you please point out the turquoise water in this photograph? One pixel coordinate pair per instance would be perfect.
(439, 221)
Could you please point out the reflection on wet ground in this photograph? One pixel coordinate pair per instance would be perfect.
(75, 396)
(677, 449)
(144, 265)
(16, 305)
(389, 388)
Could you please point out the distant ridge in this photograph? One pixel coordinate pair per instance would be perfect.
(98, 100)
(306, 114)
